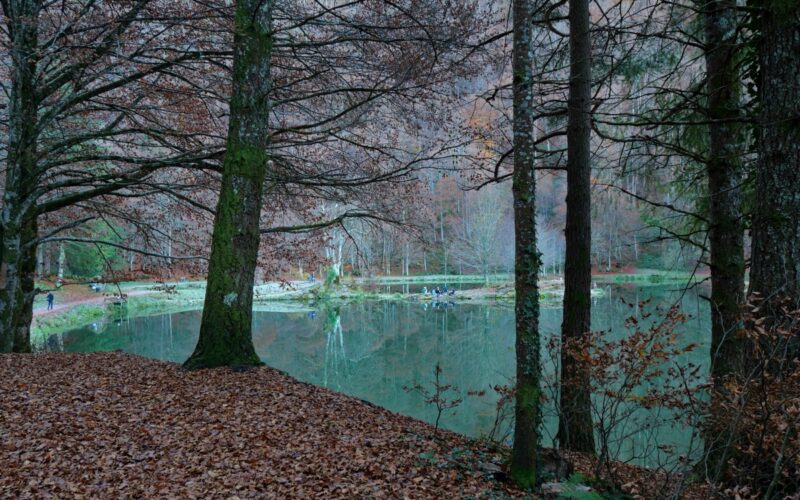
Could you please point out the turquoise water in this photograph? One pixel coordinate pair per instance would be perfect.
(376, 350)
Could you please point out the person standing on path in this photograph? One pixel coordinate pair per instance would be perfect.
(50, 299)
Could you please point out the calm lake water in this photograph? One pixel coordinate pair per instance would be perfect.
(372, 350)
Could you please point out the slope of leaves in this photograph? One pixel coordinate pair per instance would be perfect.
(114, 425)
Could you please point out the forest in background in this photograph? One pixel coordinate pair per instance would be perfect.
(647, 208)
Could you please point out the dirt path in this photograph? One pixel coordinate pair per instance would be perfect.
(40, 309)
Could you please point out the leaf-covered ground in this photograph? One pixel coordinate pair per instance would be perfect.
(114, 425)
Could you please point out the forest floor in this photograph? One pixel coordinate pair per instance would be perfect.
(119, 426)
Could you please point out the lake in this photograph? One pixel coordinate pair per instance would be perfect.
(377, 350)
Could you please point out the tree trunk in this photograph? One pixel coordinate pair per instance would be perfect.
(62, 263)
(39, 261)
(575, 430)
(444, 243)
(18, 204)
(26, 291)
(524, 456)
(169, 247)
(726, 225)
(724, 170)
(9, 278)
(47, 258)
(226, 327)
(775, 269)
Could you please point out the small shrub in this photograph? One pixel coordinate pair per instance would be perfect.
(639, 382)
(443, 396)
(756, 415)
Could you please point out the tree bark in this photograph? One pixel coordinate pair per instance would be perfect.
(775, 268)
(39, 262)
(22, 23)
(62, 263)
(724, 171)
(726, 227)
(26, 290)
(575, 431)
(524, 456)
(226, 327)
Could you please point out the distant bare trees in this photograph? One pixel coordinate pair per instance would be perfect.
(481, 243)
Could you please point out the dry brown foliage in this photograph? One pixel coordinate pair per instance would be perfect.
(113, 425)
(758, 413)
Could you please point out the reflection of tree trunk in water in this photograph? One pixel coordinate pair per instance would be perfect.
(171, 338)
(335, 355)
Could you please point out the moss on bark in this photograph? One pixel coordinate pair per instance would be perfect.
(226, 327)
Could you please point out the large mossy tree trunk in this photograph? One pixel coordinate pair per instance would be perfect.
(775, 268)
(726, 224)
(526, 261)
(575, 431)
(226, 327)
(18, 203)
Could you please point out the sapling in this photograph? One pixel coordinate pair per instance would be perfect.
(438, 395)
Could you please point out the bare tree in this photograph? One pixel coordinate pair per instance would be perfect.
(85, 86)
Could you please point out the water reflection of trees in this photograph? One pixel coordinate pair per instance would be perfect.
(372, 349)
(335, 353)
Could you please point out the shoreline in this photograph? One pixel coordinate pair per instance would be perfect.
(145, 299)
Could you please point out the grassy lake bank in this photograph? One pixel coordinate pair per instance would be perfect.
(147, 298)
